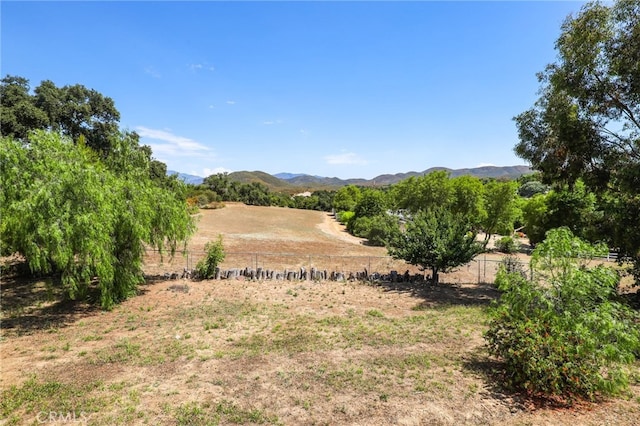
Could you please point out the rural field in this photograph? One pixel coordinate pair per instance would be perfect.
(295, 352)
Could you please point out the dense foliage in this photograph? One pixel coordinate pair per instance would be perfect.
(586, 123)
(74, 111)
(563, 333)
(435, 239)
(69, 210)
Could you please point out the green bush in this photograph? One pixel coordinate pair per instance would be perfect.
(509, 271)
(206, 267)
(507, 245)
(345, 216)
(564, 333)
(378, 230)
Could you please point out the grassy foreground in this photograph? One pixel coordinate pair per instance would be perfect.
(237, 352)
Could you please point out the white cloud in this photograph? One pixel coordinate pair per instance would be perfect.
(152, 72)
(171, 145)
(486, 165)
(206, 172)
(231, 102)
(271, 122)
(201, 67)
(345, 158)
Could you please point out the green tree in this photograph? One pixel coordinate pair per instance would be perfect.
(588, 117)
(378, 230)
(563, 333)
(74, 111)
(534, 211)
(431, 191)
(325, 200)
(227, 189)
(373, 202)
(468, 199)
(78, 111)
(586, 123)
(68, 211)
(18, 114)
(346, 198)
(531, 188)
(572, 207)
(281, 200)
(436, 239)
(254, 194)
(501, 205)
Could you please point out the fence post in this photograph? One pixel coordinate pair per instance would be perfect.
(485, 269)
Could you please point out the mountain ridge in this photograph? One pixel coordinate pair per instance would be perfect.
(285, 180)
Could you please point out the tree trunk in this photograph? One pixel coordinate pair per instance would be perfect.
(434, 276)
(487, 237)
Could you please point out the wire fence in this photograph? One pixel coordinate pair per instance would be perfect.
(482, 269)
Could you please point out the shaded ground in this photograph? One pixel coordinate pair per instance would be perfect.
(277, 352)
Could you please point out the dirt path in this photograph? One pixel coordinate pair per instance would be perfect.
(335, 229)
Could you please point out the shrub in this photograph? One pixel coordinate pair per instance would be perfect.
(378, 230)
(206, 267)
(507, 245)
(563, 334)
(345, 216)
(508, 270)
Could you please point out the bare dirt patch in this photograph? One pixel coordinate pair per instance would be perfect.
(274, 352)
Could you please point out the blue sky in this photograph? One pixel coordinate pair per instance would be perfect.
(345, 89)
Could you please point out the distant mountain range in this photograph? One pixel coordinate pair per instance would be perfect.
(295, 181)
(190, 179)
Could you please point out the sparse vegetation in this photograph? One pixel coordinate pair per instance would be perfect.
(206, 268)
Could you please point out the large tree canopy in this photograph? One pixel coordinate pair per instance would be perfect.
(586, 123)
(75, 111)
(18, 112)
(67, 210)
(436, 239)
(587, 120)
(430, 191)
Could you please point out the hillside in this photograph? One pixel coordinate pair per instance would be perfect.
(261, 177)
(296, 181)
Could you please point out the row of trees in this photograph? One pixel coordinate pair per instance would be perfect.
(490, 206)
(431, 221)
(219, 187)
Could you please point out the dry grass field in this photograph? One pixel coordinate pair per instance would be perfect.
(273, 352)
